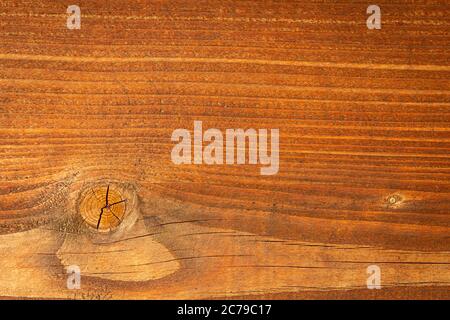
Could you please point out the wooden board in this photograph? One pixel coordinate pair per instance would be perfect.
(364, 176)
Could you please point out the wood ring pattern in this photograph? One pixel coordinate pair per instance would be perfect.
(103, 207)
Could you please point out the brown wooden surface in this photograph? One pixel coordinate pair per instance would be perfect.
(364, 119)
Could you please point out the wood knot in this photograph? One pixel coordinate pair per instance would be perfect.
(393, 200)
(103, 207)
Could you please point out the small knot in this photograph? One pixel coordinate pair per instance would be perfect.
(393, 199)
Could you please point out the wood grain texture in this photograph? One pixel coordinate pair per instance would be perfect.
(364, 119)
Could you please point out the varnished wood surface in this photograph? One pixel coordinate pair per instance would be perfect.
(364, 119)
